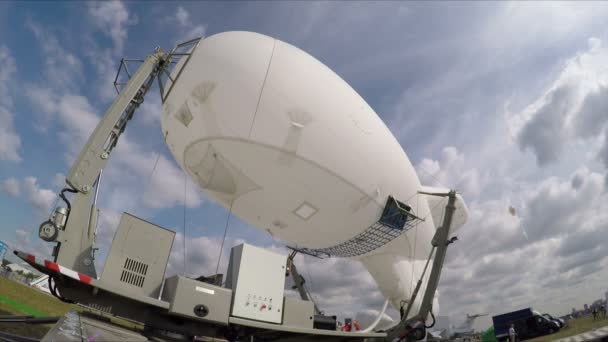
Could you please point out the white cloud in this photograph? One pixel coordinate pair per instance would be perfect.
(451, 171)
(202, 255)
(165, 187)
(556, 207)
(42, 100)
(40, 199)
(573, 108)
(106, 64)
(58, 181)
(182, 16)
(187, 29)
(11, 187)
(565, 219)
(63, 69)
(10, 141)
(150, 109)
(130, 166)
(112, 18)
(74, 112)
(26, 240)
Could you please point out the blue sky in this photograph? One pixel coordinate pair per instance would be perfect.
(505, 101)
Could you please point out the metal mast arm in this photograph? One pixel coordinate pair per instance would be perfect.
(440, 242)
(298, 281)
(75, 235)
(95, 153)
(414, 329)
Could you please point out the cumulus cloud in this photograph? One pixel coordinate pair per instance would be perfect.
(62, 68)
(202, 255)
(546, 130)
(187, 28)
(164, 187)
(161, 177)
(494, 268)
(10, 141)
(556, 207)
(604, 151)
(74, 112)
(11, 187)
(450, 171)
(573, 108)
(26, 241)
(40, 198)
(150, 110)
(112, 18)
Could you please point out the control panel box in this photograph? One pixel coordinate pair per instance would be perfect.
(257, 279)
(194, 299)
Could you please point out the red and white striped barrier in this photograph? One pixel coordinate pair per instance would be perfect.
(53, 267)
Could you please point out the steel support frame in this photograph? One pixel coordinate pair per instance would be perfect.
(414, 328)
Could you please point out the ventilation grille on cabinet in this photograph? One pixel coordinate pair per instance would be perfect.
(134, 272)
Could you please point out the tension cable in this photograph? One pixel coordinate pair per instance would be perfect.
(224, 238)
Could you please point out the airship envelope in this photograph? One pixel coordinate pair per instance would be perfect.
(263, 127)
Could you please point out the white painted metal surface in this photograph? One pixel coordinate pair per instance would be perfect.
(262, 125)
(258, 283)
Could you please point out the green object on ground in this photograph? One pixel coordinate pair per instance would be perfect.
(488, 335)
(21, 307)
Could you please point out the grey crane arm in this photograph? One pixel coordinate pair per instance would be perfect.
(95, 153)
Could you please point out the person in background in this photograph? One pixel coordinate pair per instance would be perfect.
(356, 325)
(512, 333)
(347, 325)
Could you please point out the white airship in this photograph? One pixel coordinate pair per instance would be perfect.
(272, 133)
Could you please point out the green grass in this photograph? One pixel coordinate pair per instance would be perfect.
(20, 299)
(29, 299)
(575, 327)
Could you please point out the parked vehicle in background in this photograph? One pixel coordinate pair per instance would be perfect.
(528, 324)
(559, 321)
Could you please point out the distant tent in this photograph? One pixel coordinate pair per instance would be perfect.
(488, 335)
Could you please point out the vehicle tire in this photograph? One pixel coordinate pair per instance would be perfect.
(551, 330)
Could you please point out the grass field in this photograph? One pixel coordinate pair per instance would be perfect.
(574, 327)
(20, 299)
(41, 303)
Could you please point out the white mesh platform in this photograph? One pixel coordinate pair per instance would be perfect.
(396, 219)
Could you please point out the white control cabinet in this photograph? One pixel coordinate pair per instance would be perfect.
(257, 279)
